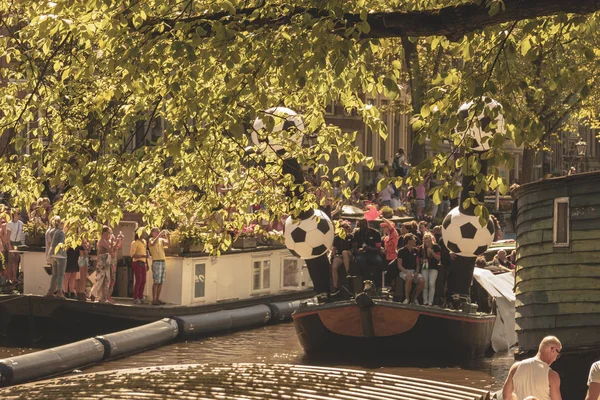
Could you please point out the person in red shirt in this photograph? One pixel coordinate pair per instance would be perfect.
(390, 240)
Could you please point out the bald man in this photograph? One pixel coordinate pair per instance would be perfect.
(533, 377)
(594, 382)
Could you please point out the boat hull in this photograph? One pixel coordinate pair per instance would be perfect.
(387, 327)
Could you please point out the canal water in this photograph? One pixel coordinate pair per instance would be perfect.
(278, 344)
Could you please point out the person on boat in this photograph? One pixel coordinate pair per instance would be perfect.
(83, 262)
(408, 264)
(443, 265)
(139, 255)
(341, 252)
(71, 273)
(101, 289)
(156, 245)
(423, 228)
(366, 248)
(4, 243)
(594, 382)
(430, 255)
(390, 247)
(16, 236)
(533, 376)
(116, 244)
(500, 259)
(481, 262)
(58, 259)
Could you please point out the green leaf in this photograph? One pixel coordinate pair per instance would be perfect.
(391, 88)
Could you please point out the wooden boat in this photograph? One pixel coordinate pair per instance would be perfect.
(381, 325)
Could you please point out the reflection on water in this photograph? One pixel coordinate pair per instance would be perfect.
(278, 344)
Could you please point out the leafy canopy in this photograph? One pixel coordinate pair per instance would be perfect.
(92, 81)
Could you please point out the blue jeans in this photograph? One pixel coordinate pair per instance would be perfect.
(59, 265)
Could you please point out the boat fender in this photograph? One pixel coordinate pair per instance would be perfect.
(139, 338)
(282, 311)
(363, 300)
(6, 374)
(52, 361)
(224, 320)
(250, 316)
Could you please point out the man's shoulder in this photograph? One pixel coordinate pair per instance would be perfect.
(595, 372)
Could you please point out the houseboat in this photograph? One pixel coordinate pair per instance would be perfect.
(558, 272)
(196, 283)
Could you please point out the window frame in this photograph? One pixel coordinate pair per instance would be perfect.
(555, 243)
(262, 262)
(300, 272)
(195, 263)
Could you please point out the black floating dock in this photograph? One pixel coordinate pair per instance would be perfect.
(241, 381)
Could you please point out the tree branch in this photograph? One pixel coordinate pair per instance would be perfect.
(452, 22)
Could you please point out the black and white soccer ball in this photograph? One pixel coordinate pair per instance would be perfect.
(284, 119)
(309, 238)
(464, 235)
(479, 129)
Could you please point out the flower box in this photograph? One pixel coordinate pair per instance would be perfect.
(244, 243)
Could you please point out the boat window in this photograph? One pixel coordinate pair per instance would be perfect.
(199, 280)
(292, 273)
(261, 274)
(561, 222)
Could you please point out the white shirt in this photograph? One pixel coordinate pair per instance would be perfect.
(386, 193)
(594, 373)
(16, 231)
(531, 379)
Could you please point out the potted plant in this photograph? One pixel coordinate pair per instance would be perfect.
(190, 239)
(175, 247)
(35, 231)
(387, 212)
(246, 238)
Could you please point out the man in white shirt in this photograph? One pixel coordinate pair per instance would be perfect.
(533, 376)
(16, 236)
(594, 382)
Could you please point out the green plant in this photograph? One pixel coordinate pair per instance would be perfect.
(400, 211)
(35, 232)
(387, 212)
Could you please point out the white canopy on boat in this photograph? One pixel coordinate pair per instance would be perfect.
(500, 287)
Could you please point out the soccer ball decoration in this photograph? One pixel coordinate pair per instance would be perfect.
(285, 120)
(478, 130)
(464, 235)
(309, 238)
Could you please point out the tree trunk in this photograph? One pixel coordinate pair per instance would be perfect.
(528, 163)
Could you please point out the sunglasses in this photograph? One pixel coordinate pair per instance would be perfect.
(557, 352)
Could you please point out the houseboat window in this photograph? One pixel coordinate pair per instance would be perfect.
(292, 272)
(561, 222)
(261, 278)
(199, 280)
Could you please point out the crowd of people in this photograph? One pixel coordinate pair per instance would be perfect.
(70, 267)
(410, 258)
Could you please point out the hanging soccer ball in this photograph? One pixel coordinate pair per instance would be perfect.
(284, 120)
(464, 235)
(309, 238)
(479, 129)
